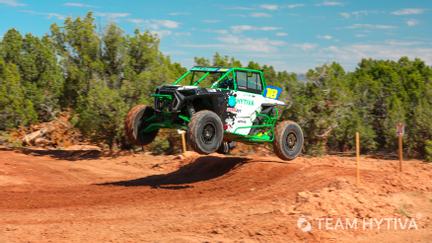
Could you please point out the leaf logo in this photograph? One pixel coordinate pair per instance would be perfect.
(304, 225)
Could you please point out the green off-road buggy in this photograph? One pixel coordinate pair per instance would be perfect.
(216, 107)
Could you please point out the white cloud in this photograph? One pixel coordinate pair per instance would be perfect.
(211, 21)
(306, 46)
(330, 3)
(325, 37)
(239, 8)
(403, 43)
(345, 15)
(241, 28)
(47, 15)
(178, 13)
(56, 15)
(136, 21)
(167, 23)
(242, 43)
(371, 26)
(12, 3)
(162, 33)
(281, 34)
(260, 15)
(78, 5)
(409, 11)
(218, 31)
(111, 15)
(253, 15)
(271, 7)
(186, 33)
(412, 22)
(156, 24)
(161, 27)
(387, 50)
(358, 14)
(295, 5)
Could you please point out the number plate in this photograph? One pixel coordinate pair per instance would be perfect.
(272, 92)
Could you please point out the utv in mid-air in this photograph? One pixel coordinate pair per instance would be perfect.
(218, 106)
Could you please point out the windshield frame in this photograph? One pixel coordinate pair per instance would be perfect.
(207, 71)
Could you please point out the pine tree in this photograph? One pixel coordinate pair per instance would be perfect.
(320, 105)
(15, 109)
(101, 114)
(41, 75)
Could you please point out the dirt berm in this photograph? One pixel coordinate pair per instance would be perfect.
(52, 197)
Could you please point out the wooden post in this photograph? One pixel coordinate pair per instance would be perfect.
(183, 135)
(400, 151)
(358, 157)
(400, 131)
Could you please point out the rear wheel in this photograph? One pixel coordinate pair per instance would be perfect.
(205, 132)
(135, 123)
(288, 141)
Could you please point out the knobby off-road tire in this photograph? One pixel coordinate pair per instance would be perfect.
(135, 123)
(288, 141)
(205, 132)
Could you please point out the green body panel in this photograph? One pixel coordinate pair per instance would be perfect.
(162, 96)
(164, 120)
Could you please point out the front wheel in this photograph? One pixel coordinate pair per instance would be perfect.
(136, 121)
(288, 141)
(205, 132)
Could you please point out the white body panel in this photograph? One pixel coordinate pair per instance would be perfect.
(244, 111)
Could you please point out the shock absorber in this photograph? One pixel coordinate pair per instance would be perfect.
(190, 109)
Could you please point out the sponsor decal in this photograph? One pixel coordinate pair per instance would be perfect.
(307, 224)
(272, 92)
(232, 101)
(232, 109)
(245, 102)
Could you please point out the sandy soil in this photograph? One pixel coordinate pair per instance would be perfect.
(56, 197)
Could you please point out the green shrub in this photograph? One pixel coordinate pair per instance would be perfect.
(159, 146)
(316, 149)
(428, 150)
(166, 142)
(8, 139)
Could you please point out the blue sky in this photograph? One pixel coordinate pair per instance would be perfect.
(290, 35)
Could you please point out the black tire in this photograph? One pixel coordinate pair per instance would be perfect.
(226, 147)
(288, 141)
(135, 123)
(205, 132)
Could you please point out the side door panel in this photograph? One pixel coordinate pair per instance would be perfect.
(242, 108)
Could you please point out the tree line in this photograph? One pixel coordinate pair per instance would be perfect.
(99, 76)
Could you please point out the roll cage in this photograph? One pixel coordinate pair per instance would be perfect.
(226, 73)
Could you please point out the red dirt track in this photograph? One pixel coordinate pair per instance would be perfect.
(144, 198)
